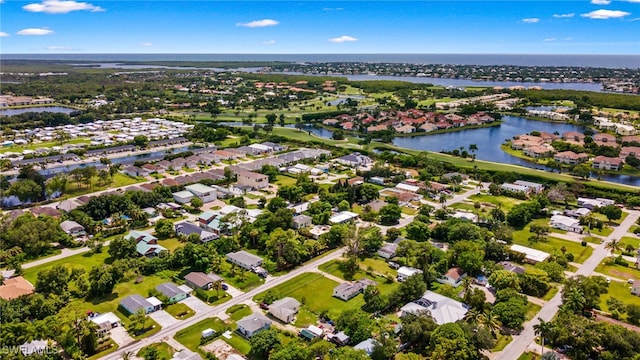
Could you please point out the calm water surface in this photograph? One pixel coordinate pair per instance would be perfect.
(55, 109)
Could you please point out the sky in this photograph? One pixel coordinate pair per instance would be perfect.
(314, 27)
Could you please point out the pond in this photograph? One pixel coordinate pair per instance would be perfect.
(55, 109)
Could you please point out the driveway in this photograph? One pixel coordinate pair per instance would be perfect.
(163, 318)
(196, 304)
(233, 291)
(120, 336)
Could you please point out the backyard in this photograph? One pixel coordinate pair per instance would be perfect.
(553, 245)
(190, 337)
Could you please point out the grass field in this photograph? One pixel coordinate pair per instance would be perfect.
(237, 312)
(165, 351)
(532, 310)
(553, 245)
(315, 291)
(629, 240)
(235, 277)
(119, 180)
(502, 342)
(105, 348)
(620, 291)
(190, 337)
(179, 311)
(618, 271)
(305, 318)
(506, 203)
(553, 290)
(284, 180)
(85, 261)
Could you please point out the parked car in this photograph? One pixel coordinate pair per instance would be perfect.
(225, 287)
(394, 265)
(264, 306)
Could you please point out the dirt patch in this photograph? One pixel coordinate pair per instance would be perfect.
(599, 317)
(622, 275)
(220, 349)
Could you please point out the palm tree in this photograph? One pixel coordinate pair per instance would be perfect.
(575, 300)
(543, 328)
(138, 320)
(473, 316)
(490, 320)
(443, 201)
(467, 281)
(614, 245)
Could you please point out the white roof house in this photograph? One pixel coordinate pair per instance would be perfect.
(531, 255)
(405, 272)
(443, 309)
(514, 188)
(343, 217)
(408, 187)
(465, 215)
(565, 223)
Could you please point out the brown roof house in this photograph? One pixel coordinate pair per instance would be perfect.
(15, 287)
(453, 277)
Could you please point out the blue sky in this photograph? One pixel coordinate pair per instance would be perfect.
(281, 27)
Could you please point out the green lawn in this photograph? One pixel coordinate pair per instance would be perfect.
(528, 356)
(378, 266)
(618, 271)
(408, 210)
(532, 310)
(104, 348)
(592, 239)
(150, 327)
(119, 180)
(237, 312)
(502, 342)
(305, 318)
(284, 180)
(239, 343)
(165, 352)
(239, 278)
(629, 240)
(553, 290)
(190, 337)
(315, 292)
(85, 261)
(171, 244)
(506, 203)
(620, 291)
(180, 311)
(553, 245)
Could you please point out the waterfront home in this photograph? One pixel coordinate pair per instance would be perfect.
(354, 160)
(539, 151)
(604, 139)
(514, 188)
(570, 157)
(630, 150)
(405, 129)
(573, 136)
(607, 163)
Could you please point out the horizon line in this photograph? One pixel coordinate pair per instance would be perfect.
(372, 53)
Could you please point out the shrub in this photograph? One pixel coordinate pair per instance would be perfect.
(569, 257)
(583, 243)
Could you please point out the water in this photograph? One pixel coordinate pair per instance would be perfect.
(604, 61)
(307, 127)
(153, 66)
(55, 109)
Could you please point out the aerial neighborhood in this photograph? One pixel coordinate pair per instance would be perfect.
(200, 224)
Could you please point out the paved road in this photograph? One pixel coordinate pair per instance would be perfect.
(548, 311)
(170, 331)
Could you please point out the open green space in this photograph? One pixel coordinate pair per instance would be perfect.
(553, 290)
(190, 337)
(377, 266)
(553, 245)
(239, 343)
(285, 180)
(239, 278)
(164, 351)
(179, 311)
(504, 202)
(105, 347)
(237, 312)
(619, 291)
(85, 261)
(171, 244)
(119, 180)
(629, 240)
(305, 318)
(532, 310)
(501, 342)
(315, 292)
(618, 271)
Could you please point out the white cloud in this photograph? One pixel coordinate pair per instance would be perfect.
(601, 2)
(568, 38)
(147, 44)
(268, 42)
(54, 48)
(35, 31)
(61, 7)
(632, 1)
(606, 14)
(332, 9)
(343, 38)
(563, 16)
(530, 20)
(259, 23)
(3, 34)
(549, 39)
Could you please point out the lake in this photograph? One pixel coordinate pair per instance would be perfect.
(55, 109)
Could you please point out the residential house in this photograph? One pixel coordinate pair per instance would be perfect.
(105, 322)
(285, 309)
(135, 171)
(183, 197)
(254, 180)
(405, 272)
(532, 187)
(347, 291)
(34, 347)
(225, 155)
(511, 267)
(531, 256)
(367, 346)
(565, 223)
(152, 168)
(15, 287)
(594, 203)
(200, 280)
(607, 163)
(573, 136)
(172, 292)
(354, 160)
(376, 205)
(465, 215)
(301, 221)
(630, 150)
(539, 152)
(244, 259)
(405, 129)
(444, 310)
(514, 188)
(343, 217)
(253, 324)
(453, 277)
(604, 139)
(135, 303)
(376, 180)
(72, 228)
(46, 211)
(570, 157)
(388, 250)
(205, 193)
(146, 244)
(185, 229)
